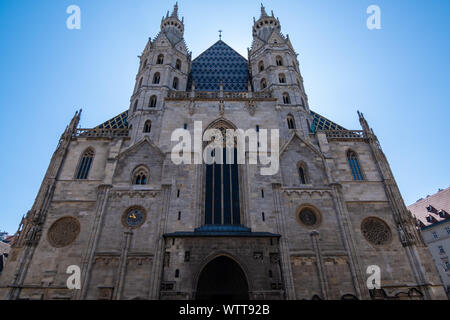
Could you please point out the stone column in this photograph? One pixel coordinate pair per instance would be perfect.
(118, 288)
(285, 256)
(157, 265)
(320, 266)
(88, 260)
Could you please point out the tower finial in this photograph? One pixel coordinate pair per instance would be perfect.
(263, 11)
(220, 34)
(175, 10)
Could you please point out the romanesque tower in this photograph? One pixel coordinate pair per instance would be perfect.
(274, 67)
(164, 66)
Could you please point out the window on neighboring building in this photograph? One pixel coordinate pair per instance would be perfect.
(156, 78)
(148, 126)
(353, 162)
(434, 234)
(85, 164)
(441, 250)
(291, 122)
(160, 59)
(447, 229)
(152, 103)
(286, 98)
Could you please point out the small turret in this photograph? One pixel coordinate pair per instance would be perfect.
(171, 24)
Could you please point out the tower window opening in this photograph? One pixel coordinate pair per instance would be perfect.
(178, 64)
(286, 98)
(175, 83)
(152, 103)
(261, 66)
(302, 174)
(160, 59)
(291, 122)
(282, 78)
(148, 126)
(263, 84)
(156, 78)
(279, 60)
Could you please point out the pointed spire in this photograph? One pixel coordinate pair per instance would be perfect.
(263, 11)
(175, 10)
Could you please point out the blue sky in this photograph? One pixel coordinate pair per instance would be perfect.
(398, 76)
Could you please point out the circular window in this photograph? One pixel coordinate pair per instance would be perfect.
(134, 218)
(308, 217)
(63, 232)
(376, 231)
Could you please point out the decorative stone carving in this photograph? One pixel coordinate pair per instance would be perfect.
(63, 232)
(307, 217)
(274, 258)
(376, 231)
(258, 256)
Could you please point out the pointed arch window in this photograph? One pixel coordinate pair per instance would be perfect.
(140, 176)
(222, 195)
(135, 105)
(156, 78)
(148, 126)
(279, 61)
(282, 78)
(152, 103)
(291, 122)
(175, 83)
(303, 101)
(286, 98)
(160, 59)
(302, 173)
(261, 66)
(178, 64)
(140, 82)
(353, 162)
(263, 84)
(144, 64)
(85, 164)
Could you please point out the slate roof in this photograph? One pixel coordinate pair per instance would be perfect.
(433, 207)
(219, 63)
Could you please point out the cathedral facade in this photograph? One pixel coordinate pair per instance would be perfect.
(139, 226)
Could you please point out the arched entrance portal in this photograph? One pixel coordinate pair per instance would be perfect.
(222, 279)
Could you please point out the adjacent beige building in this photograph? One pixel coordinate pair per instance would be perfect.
(433, 219)
(141, 227)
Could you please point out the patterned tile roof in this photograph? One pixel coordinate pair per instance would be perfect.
(319, 123)
(118, 122)
(219, 63)
(322, 123)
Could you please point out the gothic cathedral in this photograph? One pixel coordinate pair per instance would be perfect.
(139, 226)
